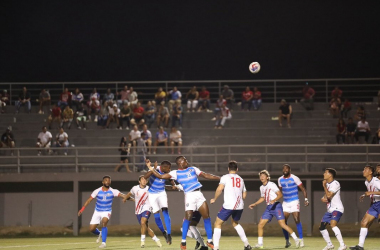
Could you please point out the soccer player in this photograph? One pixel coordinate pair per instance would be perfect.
(234, 194)
(103, 209)
(142, 209)
(335, 209)
(271, 195)
(194, 199)
(373, 187)
(158, 199)
(289, 184)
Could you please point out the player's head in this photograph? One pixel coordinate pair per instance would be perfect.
(181, 162)
(232, 166)
(286, 170)
(142, 180)
(378, 170)
(106, 181)
(166, 166)
(368, 171)
(329, 173)
(264, 176)
(44, 129)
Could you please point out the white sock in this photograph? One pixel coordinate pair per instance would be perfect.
(338, 235)
(190, 234)
(363, 234)
(155, 238)
(326, 236)
(217, 234)
(143, 237)
(239, 229)
(197, 235)
(294, 236)
(260, 240)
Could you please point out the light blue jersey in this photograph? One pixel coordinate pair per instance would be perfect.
(104, 199)
(188, 178)
(289, 187)
(156, 185)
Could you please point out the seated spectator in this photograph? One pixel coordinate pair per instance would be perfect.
(147, 138)
(113, 116)
(44, 100)
(336, 93)
(94, 109)
(362, 129)
(350, 131)
(94, 94)
(150, 114)
(8, 140)
(134, 135)
(62, 140)
(124, 96)
(192, 99)
(81, 116)
(335, 104)
(125, 116)
(132, 98)
(246, 98)
(103, 116)
(175, 139)
(308, 97)
(76, 99)
(55, 116)
(175, 95)
(341, 128)
(163, 115)
(346, 107)
(225, 114)
(177, 115)
(161, 139)
(160, 95)
(4, 100)
(67, 117)
(64, 99)
(44, 140)
(228, 95)
(108, 97)
(218, 106)
(23, 99)
(285, 112)
(377, 138)
(124, 155)
(138, 115)
(360, 112)
(256, 100)
(204, 100)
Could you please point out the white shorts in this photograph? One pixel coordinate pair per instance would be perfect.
(41, 146)
(98, 216)
(291, 207)
(158, 201)
(193, 200)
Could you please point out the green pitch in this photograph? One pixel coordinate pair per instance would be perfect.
(227, 243)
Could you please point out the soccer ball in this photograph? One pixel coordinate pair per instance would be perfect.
(254, 67)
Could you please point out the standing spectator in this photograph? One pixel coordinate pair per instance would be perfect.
(350, 131)
(8, 140)
(150, 114)
(113, 116)
(44, 100)
(23, 99)
(204, 100)
(225, 114)
(160, 95)
(124, 155)
(228, 95)
(175, 139)
(192, 99)
(175, 95)
(124, 95)
(177, 115)
(103, 115)
(94, 109)
(62, 140)
(134, 135)
(55, 115)
(132, 98)
(4, 100)
(308, 97)
(44, 140)
(147, 138)
(67, 116)
(125, 115)
(335, 104)
(138, 115)
(341, 128)
(94, 94)
(336, 93)
(285, 112)
(218, 106)
(360, 112)
(81, 116)
(362, 129)
(346, 107)
(256, 101)
(76, 99)
(163, 114)
(161, 139)
(108, 97)
(246, 98)
(64, 99)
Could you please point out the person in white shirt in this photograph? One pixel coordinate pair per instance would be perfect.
(175, 139)
(113, 116)
(362, 129)
(271, 194)
(147, 138)
(225, 114)
(335, 209)
(132, 98)
(44, 140)
(62, 140)
(134, 135)
(234, 196)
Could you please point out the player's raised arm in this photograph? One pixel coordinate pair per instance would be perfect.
(85, 205)
(155, 173)
(256, 203)
(209, 176)
(329, 195)
(218, 192)
(279, 196)
(127, 196)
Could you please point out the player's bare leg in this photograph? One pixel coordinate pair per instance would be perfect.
(286, 234)
(290, 231)
(364, 225)
(104, 234)
(205, 212)
(144, 229)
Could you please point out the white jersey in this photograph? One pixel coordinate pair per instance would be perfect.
(373, 186)
(141, 199)
(268, 192)
(44, 137)
(336, 203)
(233, 191)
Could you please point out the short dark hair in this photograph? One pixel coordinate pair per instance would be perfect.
(141, 176)
(370, 167)
(331, 171)
(178, 158)
(232, 165)
(287, 166)
(168, 163)
(106, 176)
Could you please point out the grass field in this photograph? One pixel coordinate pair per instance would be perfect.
(227, 243)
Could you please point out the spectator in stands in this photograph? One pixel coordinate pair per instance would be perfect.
(4, 100)
(8, 139)
(362, 129)
(55, 115)
(23, 99)
(81, 116)
(76, 99)
(113, 116)
(44, 100)
(177, 115)
(64, 99)
(94, 94)
(150, 114)
(335, 104)
(134, 135)
(62, 140)
(204, 100)
(308, 97)
(124, 95)
(103, 115)
(94, 108)
(346, 107)
(175, 139)
(350, 131)
(132, 98)
(124, 155)
(175, 95)
(228, 95)
(360, 112)
(44, 140)
(192, 99)
(256, 101)
(246, 98)
(285, 112)
(225, 114)
(125, 115)
(147, 137)
(336, 93)
(160, 95)
(341, 128)
(377, 138)
(218, 106)
(161, 139)
(163, 114)
(138, 115)
(67, 117)
(108, 97)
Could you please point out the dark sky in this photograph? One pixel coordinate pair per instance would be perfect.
(187, 40)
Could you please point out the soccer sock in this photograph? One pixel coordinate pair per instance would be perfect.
(216, 239)
(155, 238)
(208, 229)
(294, 236)
(260, 240)
(299, 229)
(326, 236)
(96, 232)
(104, 234)
(143, 237)
(190, 233)
(185, 228)
(239, 229)
(363, 234)
(197, 235)
(158, 220)
(167, 221)
(338, 235)
(286, 234)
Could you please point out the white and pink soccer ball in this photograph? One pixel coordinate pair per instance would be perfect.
(254, 67)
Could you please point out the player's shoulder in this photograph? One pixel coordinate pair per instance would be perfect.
(98, 189)
(280, 178)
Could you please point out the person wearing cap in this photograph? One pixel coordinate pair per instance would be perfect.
(228, 95)
(285, 112)
(4, 100)
(308, 97)
(113, 116)
(7, 139)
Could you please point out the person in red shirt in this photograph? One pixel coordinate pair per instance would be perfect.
(341, 128)
(346, 107)
(308, 97)
(138, 115)
(337, 93)
(55, 115)
(204, 100)
(256, 101)
(65, 99)
(246, 98)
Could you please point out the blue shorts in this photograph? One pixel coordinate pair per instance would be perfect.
(273, 210)
(335, 215)
(224, 214)
(145, 214)
(374, 210)
(196, 216)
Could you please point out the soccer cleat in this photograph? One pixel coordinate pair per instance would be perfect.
(203, 248)
(288, 244)
(328, 247)
(259, 246)
(103, 245)
(344, 247)
(197, 245)
(210, 244)
(158, 242)
(183, 245)
(169, 239)
(142, 244)
(248, 247)
(301, 243)
(99, 237)
(298, 243)
(165, 236)
(357, 247)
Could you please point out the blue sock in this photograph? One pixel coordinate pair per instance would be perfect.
(286, 234)
(185, 228)
(167, 221)
(104, 234)
(96, 232)
(208, 228)
(158, 220)
(299, 229)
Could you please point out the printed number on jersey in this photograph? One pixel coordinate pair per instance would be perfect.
(236, 182)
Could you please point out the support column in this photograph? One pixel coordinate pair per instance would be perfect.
(309, 209)
(77, 205)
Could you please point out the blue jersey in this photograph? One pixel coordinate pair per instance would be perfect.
(156, 185)
(188, 178)
(104, 199)
(289, 187)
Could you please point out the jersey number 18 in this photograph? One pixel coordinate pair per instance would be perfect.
(236, 182)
